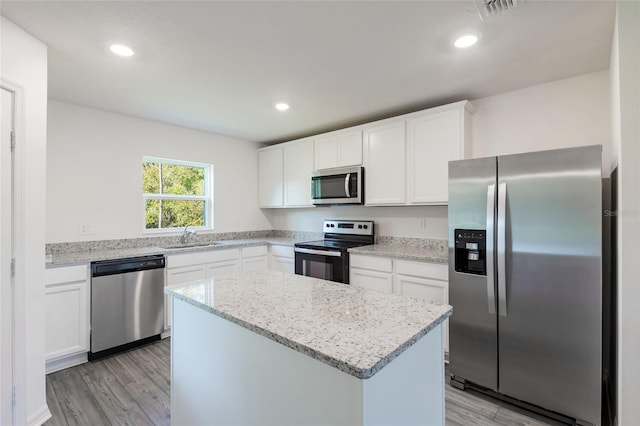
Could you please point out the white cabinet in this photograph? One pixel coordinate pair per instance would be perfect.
(372, 273)
(255, 258)
(425, 281)
(434, 138)
(270, 182)
(187, 267)
(67, 316)
(422, 280)
(285, 174)
(384, 161)
(338, 149)
(298, 165)
(282, 259)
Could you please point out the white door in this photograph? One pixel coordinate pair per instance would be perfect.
(6, 254)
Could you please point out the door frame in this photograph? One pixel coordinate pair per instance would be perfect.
(18, 339)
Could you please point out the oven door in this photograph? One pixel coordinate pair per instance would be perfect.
(324, 264)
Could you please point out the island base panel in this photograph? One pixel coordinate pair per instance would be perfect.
(225, 374)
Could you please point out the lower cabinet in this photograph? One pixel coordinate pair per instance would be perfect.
(66, 316)
(372, 273)
(255, 258)
(183, 268)
(422, 280)
(282, 259)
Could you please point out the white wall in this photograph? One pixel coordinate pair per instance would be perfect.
(24, 64)
(565, 113)
(561, 114)
(94, 173)
(390, 221)
(626, 106)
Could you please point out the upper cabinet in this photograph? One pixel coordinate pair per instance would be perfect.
(270, 174)
(285, 174)
(384, 163)
(338, 149)
(405, 158)
(434, 138)
(298, 166)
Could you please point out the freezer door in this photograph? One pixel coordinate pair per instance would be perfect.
(473, 324)
(550, 317)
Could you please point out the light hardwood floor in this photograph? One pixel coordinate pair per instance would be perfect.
(133, 388)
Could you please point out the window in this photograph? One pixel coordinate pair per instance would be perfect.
(176, 194)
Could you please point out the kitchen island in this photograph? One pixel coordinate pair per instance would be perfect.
(275, 348)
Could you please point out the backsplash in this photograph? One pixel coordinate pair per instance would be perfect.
(129, 243)
(413, 242)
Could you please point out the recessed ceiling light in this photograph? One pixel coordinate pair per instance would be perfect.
(466, 41)
(121, 50)
(281, 106)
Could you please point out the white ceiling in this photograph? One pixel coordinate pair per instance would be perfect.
(220, 66)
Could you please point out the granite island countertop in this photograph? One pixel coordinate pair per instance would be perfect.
(354, 330)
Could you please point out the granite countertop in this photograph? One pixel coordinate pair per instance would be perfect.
(428, 253)
(71, 258)
(354, 330)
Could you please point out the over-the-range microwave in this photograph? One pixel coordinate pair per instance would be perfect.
(340, 185)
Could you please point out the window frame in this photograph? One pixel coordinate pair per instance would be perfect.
(207, 197)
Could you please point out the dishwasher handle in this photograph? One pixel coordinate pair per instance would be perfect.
(122, 266)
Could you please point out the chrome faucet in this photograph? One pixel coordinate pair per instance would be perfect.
(186, 235)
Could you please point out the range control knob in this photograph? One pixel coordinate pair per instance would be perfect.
(366, 226)
(359, 226)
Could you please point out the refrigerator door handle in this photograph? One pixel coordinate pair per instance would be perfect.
(491, 210)
(501, 249)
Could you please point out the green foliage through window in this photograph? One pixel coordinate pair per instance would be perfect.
(176, 193)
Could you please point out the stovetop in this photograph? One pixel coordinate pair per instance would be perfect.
(342, 235)
(331, 244)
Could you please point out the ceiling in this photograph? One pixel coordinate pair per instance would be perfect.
(220, 66)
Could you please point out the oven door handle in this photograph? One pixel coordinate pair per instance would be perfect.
(318, 252)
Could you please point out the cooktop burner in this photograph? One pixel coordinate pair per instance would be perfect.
(342, 235)
(332, 244)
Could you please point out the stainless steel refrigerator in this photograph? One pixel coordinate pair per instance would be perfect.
(525, 278)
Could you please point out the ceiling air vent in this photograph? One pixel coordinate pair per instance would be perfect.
(488, 8)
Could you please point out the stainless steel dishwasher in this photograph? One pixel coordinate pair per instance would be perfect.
(127, 303)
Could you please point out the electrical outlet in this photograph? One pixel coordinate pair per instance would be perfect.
(86, 230)
(423, 223)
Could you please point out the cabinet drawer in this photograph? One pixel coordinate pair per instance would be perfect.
(67, 274)
(282, 251)
(188, 259)
(254, 251)
(370, 262)
(423, 269)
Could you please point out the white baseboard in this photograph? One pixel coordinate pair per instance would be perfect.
(58, 364)
(40, 416)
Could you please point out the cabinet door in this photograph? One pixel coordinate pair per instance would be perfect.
(432, 141)
(426, 288)
(270, 183)
(384, 163)
(67, 319)
(179, 276)
(223, 268)
(325, 152)
(371, 280)
(282, 264)
(298, 166)
(259, 263)
(350, 149)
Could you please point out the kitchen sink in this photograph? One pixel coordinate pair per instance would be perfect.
(191, 245)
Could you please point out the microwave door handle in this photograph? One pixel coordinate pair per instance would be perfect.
(346, 185)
